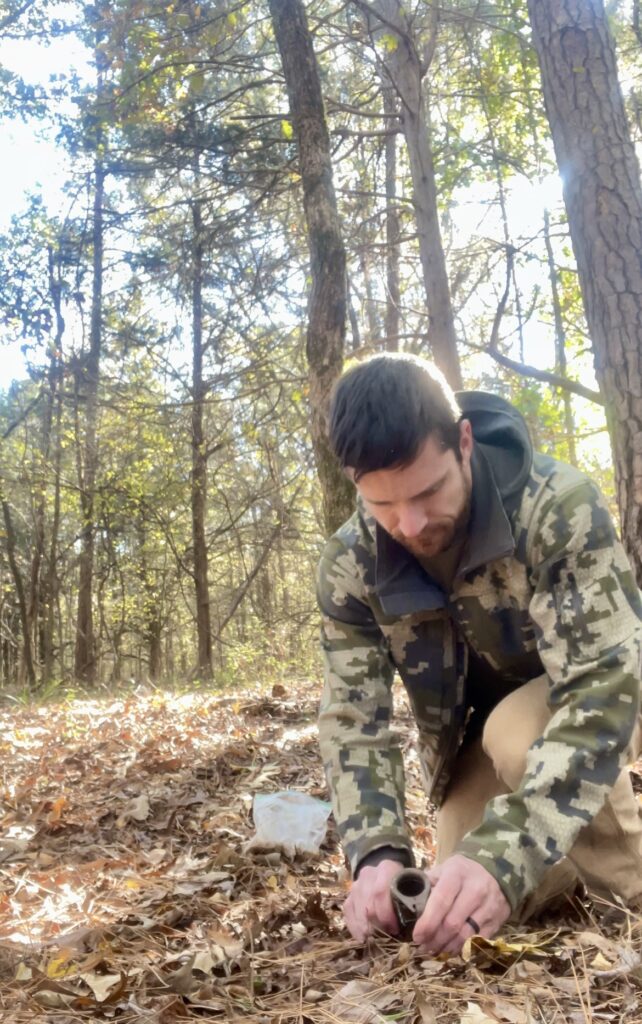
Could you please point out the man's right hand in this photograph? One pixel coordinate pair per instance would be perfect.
(368, 907)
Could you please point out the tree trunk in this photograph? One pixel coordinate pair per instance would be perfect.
(560, 341)
(405, 71)
(371, 307)
(20, 593)
(393, 229)
(50, 578)
(85, 652)
(603, 200)
(199, 454)
(328, 295)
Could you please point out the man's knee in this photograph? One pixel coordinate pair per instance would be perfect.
(513, 726)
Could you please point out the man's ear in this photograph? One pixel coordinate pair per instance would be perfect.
(349, 472)
(465, 438)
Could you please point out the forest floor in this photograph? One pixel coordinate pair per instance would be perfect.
(126, 893)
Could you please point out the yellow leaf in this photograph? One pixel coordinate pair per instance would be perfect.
(286, 129)
(60, 968)
(272, 882)
(390, 42)
(500, 951)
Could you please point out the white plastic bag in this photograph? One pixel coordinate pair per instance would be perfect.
(289, 821)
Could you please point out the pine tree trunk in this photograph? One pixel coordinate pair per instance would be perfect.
(603, 200)
(393, 229)
(85, 650)
(328, 295)
(199, 455)
(404, 68)
(27, 650)
(560, 341)
(50, 576)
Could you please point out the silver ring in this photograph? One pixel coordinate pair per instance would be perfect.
(473, 924)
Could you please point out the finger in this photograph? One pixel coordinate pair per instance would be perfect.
(356, 919)
(440, 902)
(471, 899)
(467, 931)
(382, 914)
(491, 913)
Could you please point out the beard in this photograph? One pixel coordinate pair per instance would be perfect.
(431, 541)
(440, 534)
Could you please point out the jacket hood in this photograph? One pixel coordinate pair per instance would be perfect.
(501, 433)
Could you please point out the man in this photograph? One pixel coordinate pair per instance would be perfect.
(492, 580)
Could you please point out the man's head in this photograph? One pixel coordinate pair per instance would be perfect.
(397, 430)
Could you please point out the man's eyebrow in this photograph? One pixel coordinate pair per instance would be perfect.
(422, 494)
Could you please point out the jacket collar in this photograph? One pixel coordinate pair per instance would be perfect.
(402, 584)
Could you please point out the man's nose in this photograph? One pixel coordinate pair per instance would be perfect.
(412, 521)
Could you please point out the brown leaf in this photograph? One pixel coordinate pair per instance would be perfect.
(53, 1000)
(104, 986)
(475, 1015)
(426, 1011)
(360, 1002)
(183, 980)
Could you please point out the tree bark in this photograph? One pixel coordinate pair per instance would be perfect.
(199, 454)
(560, 340)
(85, 649)
(85, 646)
(328, 295)
(20, 592)
(50, 578)
(393, 229)
(603, 199)
(405, 70)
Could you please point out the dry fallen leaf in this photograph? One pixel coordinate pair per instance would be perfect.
(360, 1002)
(426, 1011)
(168, 902)
(102, 985)
(479, 950)
(54, 1000)
(509, 1011)
(204, 962)
(138, 809)
(475, 1015)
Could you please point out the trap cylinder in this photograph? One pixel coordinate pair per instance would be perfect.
(409, 891)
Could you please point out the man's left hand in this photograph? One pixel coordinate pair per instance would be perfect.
(461, 889)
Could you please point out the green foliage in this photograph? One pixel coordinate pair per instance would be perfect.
(190, 121)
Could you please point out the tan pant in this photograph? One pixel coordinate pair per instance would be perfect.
(607, 854)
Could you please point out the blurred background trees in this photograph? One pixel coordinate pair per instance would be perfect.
(185, 301)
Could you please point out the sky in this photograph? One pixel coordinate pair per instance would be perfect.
(32, 161)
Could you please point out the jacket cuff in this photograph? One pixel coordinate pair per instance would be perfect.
(385, 840)
(403, 857)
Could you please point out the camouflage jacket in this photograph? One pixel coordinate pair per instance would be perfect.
(543, 585)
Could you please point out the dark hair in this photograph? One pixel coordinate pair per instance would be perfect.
(385, 408)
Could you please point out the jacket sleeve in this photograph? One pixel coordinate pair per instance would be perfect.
(586, 612)
(361, 754)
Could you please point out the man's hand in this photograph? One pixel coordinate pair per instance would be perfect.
(368, 907)
(461, 889)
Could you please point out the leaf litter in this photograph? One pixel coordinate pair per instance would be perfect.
(127, 892)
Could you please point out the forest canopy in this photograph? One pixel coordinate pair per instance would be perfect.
(256, 193)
